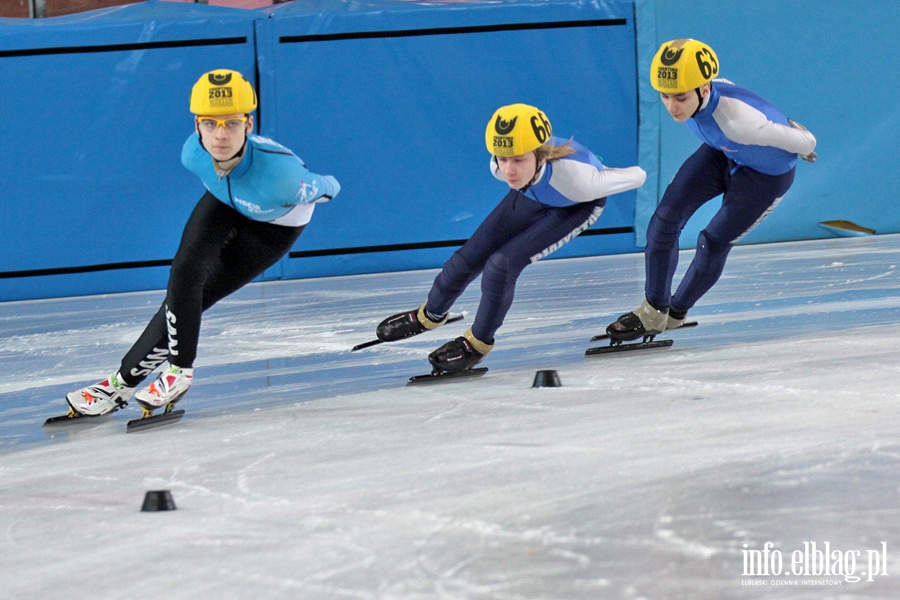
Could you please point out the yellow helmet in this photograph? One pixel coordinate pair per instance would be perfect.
(683, 65)
(222, 92)
(516, 129)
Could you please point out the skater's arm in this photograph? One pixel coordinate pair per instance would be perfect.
(582, 182)
(291, 181)
(745, 124)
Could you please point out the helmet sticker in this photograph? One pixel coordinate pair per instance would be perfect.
(505, 127)
(503, 144)
(669, 57)
(706, 60)
(541, 129)
(667, 77)
(219, 78)
(221, 96)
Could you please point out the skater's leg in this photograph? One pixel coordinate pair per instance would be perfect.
(223, 254)
(207, 226)
(149, 351)
(249, 249)
(457, 273)
(701, 178)
(549, 230)
(506, 221)
(750, 198)
(255, 247)
(209, 230)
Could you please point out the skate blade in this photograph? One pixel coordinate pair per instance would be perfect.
(168, 417)
(76, 418)
(436, 377)
(612, 349)
(685, 325)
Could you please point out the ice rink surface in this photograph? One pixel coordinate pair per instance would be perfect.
(763, 444)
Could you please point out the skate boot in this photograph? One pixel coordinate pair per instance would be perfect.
(676, 318)
(646, 321)
(407, 324)
(101, 398)
(166, 390)
(459, 355)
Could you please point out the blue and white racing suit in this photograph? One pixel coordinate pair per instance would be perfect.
(749, 154)
(568, 196)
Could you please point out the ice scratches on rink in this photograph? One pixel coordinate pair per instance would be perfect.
(301, 470)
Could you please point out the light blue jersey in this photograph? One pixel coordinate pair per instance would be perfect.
(269, 184)
(577, 178)
(749, 130)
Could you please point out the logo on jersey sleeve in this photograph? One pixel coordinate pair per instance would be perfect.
(307, 192)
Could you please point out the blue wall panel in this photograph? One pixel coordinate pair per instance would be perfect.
(393, 99)
(97, 113)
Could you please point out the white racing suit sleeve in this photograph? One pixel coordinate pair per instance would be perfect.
(581, 182)
(747, 125)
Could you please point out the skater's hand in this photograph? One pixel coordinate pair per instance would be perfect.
(811, 157)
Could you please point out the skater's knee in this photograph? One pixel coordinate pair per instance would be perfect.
(186, 273)
(498, 271)
(457, 265)
(454, 276)
(664, 228)
(712, 245)
(498, 279)
(497, 265)
(711, 253)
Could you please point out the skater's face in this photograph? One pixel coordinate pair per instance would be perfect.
(518, 171)
(223, 136)
(683, 106)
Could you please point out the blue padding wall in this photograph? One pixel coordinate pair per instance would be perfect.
(390, 97)
(95, 115)
(393, 98)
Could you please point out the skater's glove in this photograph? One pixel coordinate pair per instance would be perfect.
(811, 157)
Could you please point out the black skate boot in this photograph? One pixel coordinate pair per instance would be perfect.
(406, 324)
(646, 321)
(460, 354)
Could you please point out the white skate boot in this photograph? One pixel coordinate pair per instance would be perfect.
(166, 390)
(101, 398)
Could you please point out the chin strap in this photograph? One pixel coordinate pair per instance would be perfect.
(700, 100)
(699, 103)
